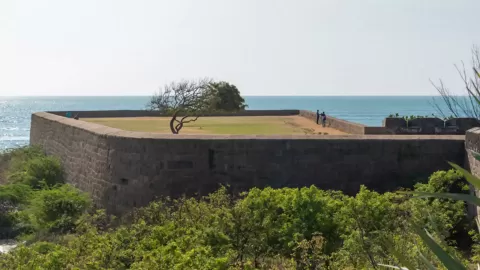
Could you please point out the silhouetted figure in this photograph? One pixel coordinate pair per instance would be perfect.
(76, 117)
(318, 116)
(324, 119)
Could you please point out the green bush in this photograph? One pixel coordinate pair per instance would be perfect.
(37, 172)
(445, 181)
(287, 228)
(34, 200)
(279, 219)
(10, 197)
(30, 166)
(447, 216)
(56, 209)
(16, 157)
(15, 193)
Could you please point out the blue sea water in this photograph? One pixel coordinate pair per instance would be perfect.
(15, 112)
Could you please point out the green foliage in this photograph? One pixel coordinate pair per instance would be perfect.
(10, 197)
(286, 228)
(447, 213)
(15, 193)
(30, 166)
(411, 117)
(187, 100)
(226, 97)
(280, 219)
(366, 219)
(445, 181)
(56, 209)
(34, 199)
(38, 171)
(441, 247)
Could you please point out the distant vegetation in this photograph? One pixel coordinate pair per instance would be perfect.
(285, 228)
(187, 100)
(411, 117)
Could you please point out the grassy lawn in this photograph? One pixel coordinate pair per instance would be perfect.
(254, 125)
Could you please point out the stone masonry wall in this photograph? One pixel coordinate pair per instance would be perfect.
(124, 169)
(472, 146)
(398, 125)
(147, 113)
(338, 124)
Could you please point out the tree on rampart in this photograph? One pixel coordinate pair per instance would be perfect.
(226, 97)
(185, 100)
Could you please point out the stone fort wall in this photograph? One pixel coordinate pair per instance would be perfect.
(472, 147)
(147, 113)
(432, 125)
(123, 169)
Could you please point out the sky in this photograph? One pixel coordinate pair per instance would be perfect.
(264, 47)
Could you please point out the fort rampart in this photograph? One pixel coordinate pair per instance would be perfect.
(432, 125)
(123, 169)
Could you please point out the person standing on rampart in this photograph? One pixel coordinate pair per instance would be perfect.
(324, 119)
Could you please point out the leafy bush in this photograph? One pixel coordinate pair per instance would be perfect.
(38, 171)
(34, 200)
(445, 181)
(287, 228)
(56, 209)
(15, 193)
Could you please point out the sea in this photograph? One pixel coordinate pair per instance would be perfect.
(15, 112)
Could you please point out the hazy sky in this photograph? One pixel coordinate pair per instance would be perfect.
(265, 47)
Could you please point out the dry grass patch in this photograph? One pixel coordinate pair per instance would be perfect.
(234, 125)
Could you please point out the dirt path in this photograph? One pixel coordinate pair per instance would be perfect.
(305, 123)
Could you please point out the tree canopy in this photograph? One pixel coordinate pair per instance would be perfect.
(187, 100)
(226, 97)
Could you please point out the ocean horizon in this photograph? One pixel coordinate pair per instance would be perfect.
(15, 112)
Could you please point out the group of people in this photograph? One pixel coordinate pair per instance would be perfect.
(323, 117)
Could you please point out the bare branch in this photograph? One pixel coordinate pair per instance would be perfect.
(462, 106)
(188, 98)
(191, 120)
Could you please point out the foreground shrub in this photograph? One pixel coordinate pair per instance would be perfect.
(267, 228)
(38, 171)
(287, 228)
(34, 199)
(56, 209)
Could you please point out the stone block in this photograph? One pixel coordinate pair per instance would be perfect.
(394, 123)
(426, 125)
(179, 164)
(462, 124)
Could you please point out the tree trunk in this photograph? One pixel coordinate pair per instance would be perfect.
(172, 123)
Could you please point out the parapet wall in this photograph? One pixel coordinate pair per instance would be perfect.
(338, 124)
(123, 169)
(472, 147)
(147, 113)
(397, 125)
